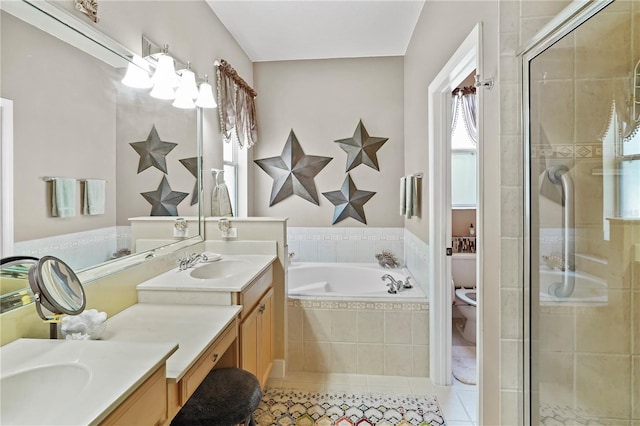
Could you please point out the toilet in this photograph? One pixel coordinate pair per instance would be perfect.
(463, 291)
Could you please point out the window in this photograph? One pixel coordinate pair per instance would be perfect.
(463, 162)
(230, 167)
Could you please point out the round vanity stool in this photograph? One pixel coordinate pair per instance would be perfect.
(226, 397)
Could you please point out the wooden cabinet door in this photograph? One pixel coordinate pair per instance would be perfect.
(249, 343)
(265, 337)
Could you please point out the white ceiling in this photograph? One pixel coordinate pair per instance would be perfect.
(276, 30)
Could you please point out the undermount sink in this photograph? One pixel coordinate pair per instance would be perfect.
(223, 268)
(39, 385)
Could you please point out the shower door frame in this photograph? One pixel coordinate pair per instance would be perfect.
(574, 15)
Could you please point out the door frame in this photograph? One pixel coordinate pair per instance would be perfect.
(466, 59)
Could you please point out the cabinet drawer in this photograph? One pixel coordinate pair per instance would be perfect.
(250, 297)
(206, 362)
(146, 406)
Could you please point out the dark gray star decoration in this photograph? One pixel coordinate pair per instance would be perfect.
(192, 165)
(349, 201)
(164, 200)
(293, 172)
(153, 151)
(361, 148)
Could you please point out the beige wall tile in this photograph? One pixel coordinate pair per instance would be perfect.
(530, 26)
(420, 361)
(370, 326)
(294, 324)
(509, 16)
(316, 325)
(397, 328)
(635, 325)
(635, 396)
(511, 262)
(611, 397)
(398, 360)
(317, 356)
(370, 359)
(605, 329)
(510, 354)
(511, 160)
(557, 330)
(511, 217)
(510, 317)
(343, 326)
(344, 358)
(555, 63)
(552, 104)
(510, 407)
(557, 368)
(593, 108)
(295, 356)
(420, 327)
(602, 46)
(510, 101)
(533, 8)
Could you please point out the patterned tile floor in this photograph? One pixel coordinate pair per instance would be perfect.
(457, 402)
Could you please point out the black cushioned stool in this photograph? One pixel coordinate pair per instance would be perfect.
(226, 397)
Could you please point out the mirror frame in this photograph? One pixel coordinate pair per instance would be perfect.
(86, 38)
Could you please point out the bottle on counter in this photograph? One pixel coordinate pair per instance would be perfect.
(472, 230)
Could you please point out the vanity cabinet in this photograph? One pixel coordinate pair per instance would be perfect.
(221, 353)
(256, 327)
(142, 408)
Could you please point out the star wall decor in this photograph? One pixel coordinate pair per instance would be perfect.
(349, 201)
(153, 151)
(191, 164)
(361, 148)
(293, 172)
(164, 201)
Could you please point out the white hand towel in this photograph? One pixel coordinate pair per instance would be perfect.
(409, 200)
(94, 197)
(403, 195)
(63, 197)
(220, 200)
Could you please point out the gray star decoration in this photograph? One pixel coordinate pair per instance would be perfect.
(164, 200)
(361, 148)
(293, 172)
(153, 151)
(192, 165)
(349, 201)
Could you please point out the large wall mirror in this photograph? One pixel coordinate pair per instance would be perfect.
(73, 118)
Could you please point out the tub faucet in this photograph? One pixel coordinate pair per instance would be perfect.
(393, 284)
(188, 262)
(396, 285)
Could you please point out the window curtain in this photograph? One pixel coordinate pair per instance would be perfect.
(237, 108)
(466, 99)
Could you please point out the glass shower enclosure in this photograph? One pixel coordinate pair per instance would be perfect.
(581, 111)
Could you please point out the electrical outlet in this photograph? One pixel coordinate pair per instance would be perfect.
(230, 233)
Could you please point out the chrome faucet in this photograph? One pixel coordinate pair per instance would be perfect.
(188, 262)
(396, 285)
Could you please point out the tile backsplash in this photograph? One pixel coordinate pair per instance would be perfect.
(347, 245)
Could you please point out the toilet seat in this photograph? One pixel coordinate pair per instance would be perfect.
(464, 294)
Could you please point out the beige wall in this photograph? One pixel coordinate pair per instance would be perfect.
(323, 101)
(441, 29)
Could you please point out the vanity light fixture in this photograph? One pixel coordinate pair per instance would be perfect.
(205, 96)
(187, 90)
(137, 75)
(165, 79)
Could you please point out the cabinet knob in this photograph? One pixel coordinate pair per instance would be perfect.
(215, 357)
(262, 308)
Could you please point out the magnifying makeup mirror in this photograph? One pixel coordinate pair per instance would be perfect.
(56, 288)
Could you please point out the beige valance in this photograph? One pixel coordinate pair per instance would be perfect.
(237, 108)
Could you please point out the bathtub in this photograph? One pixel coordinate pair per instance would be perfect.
(340, 319)
(588, 289)
(347, 281)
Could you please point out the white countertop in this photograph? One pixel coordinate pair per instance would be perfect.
(193, 327)
(182, 280)
(114, 370)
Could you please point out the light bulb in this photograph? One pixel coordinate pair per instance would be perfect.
(205, 97)
(137, 75)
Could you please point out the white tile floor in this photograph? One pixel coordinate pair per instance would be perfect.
(457, 402)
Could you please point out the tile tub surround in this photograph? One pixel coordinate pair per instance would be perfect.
(337, 244)
(363, 337)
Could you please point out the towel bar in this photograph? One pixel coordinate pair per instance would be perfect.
(52, 178)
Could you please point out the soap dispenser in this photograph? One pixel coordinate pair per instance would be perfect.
(472, 230)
